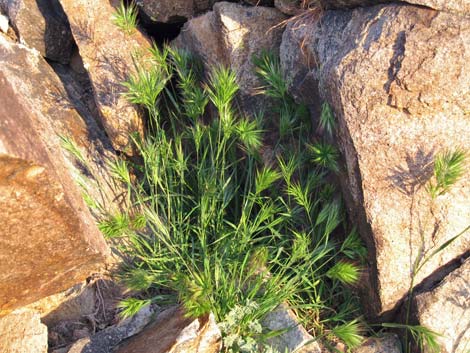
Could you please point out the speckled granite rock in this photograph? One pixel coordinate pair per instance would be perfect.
(395, 77)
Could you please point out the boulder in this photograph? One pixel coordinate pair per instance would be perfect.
(231, 35)
(173, 11)
(296, 339)
(108, 55)
(22, 331)
(48, 240)
(446, 310)
(388, 343)
(42, 25)
(396, 80)
(173, 332)
(461, 7)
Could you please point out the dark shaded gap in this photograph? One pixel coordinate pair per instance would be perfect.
(164, 32)
(160, 32)
(75, 79)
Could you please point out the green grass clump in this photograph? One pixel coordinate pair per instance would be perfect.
(219, 229)
(448, 168)
(125, 17)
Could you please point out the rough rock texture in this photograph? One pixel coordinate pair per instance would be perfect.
(22, 331)
(41, 24)
(231, 35)
(105, 341)
(108, 54)
(289, 7)
(170, 11)
(446, 310)
(172, 332)
(461, 7)
(48, 239)
(388, 343)
(396, 79)
(71, 304)
(293, 340)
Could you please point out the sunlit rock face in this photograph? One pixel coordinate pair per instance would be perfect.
(395, 77)
(109, 55)
(22, 331)
(174, 332)
(48, 237)
(446, 309)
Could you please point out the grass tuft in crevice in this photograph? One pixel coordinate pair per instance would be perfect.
(125, 17)
(213, 227)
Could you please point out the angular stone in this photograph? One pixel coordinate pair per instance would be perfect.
(296, 339)
(194, 38)
(231, 35)
(22, 331)
(42, 25)
(170, 11)
(48, 240)
(172, 332)
(388, 343)
(446, 310)
(395, 77)
(108, 54)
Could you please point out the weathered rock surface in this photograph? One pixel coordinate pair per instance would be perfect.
(396, 79)
(170, 11)
(48, 239)
(105, 341)
(22, 331)
(461, 7)
(388, 343)
(446, 310)
(72, 304)
(172, 332)
(42, 25)
(108, 54)
(231, 35)
(296, 339)
(289, 7)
